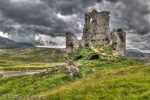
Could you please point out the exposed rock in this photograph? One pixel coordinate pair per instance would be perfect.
(80, 66)
(96, 31)
(92, 70)
(71, 70)
(55, 70)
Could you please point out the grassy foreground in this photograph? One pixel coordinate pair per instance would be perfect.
(29, 58)
(108, 81)
(126, 83)
(107, 78)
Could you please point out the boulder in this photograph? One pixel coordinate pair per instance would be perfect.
(71, 69)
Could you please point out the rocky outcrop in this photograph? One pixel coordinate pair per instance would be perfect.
(72, 70)
(96, 31)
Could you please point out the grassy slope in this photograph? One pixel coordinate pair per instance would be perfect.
(90, 85)
(113, 78)
(29, 58)
(126, 83)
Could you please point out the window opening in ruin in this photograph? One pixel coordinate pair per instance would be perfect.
(91, 19)
(103, 40)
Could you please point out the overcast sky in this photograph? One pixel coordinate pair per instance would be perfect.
(46, 21)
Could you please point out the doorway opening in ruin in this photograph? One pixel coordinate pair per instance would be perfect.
(86, 45)
(94, 57)
(78, 57)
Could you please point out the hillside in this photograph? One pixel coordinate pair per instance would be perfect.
(104, 76)
(136, 53)
(29, 58)
(132, 53)
(6, 43)
(126, 83)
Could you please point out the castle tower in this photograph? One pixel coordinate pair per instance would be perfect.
(96, 31)
(96, 28)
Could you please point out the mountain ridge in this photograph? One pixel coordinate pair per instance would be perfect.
(6, 43)
(136, 53)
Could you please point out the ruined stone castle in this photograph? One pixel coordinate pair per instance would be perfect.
(96, 31)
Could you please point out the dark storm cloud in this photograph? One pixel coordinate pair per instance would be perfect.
(40, 16)
(21, 18)
(113, 1)
(130, 15)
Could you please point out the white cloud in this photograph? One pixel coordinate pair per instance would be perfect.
(137, 42)
(67, 18)
(50, 42)
(4, 35)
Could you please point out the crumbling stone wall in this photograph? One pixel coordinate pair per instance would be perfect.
(72, 43)
(96, 31)
(118, 40)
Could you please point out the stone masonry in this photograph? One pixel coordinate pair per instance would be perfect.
(96, 31)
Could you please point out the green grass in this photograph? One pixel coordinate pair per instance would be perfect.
(114, 78)
(83, 51)
(104, 51)
(126, 83)
(108, 49)
(57, 86)
(29, 58)
(32, 84)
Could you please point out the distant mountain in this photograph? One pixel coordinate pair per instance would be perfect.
(146, 54)
(6, 43)
(26, 45)
(136, 53)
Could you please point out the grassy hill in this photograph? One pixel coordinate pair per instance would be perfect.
(126, 83)
(106, 78)
(29, 58)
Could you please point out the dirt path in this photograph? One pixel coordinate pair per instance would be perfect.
(94, 49)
